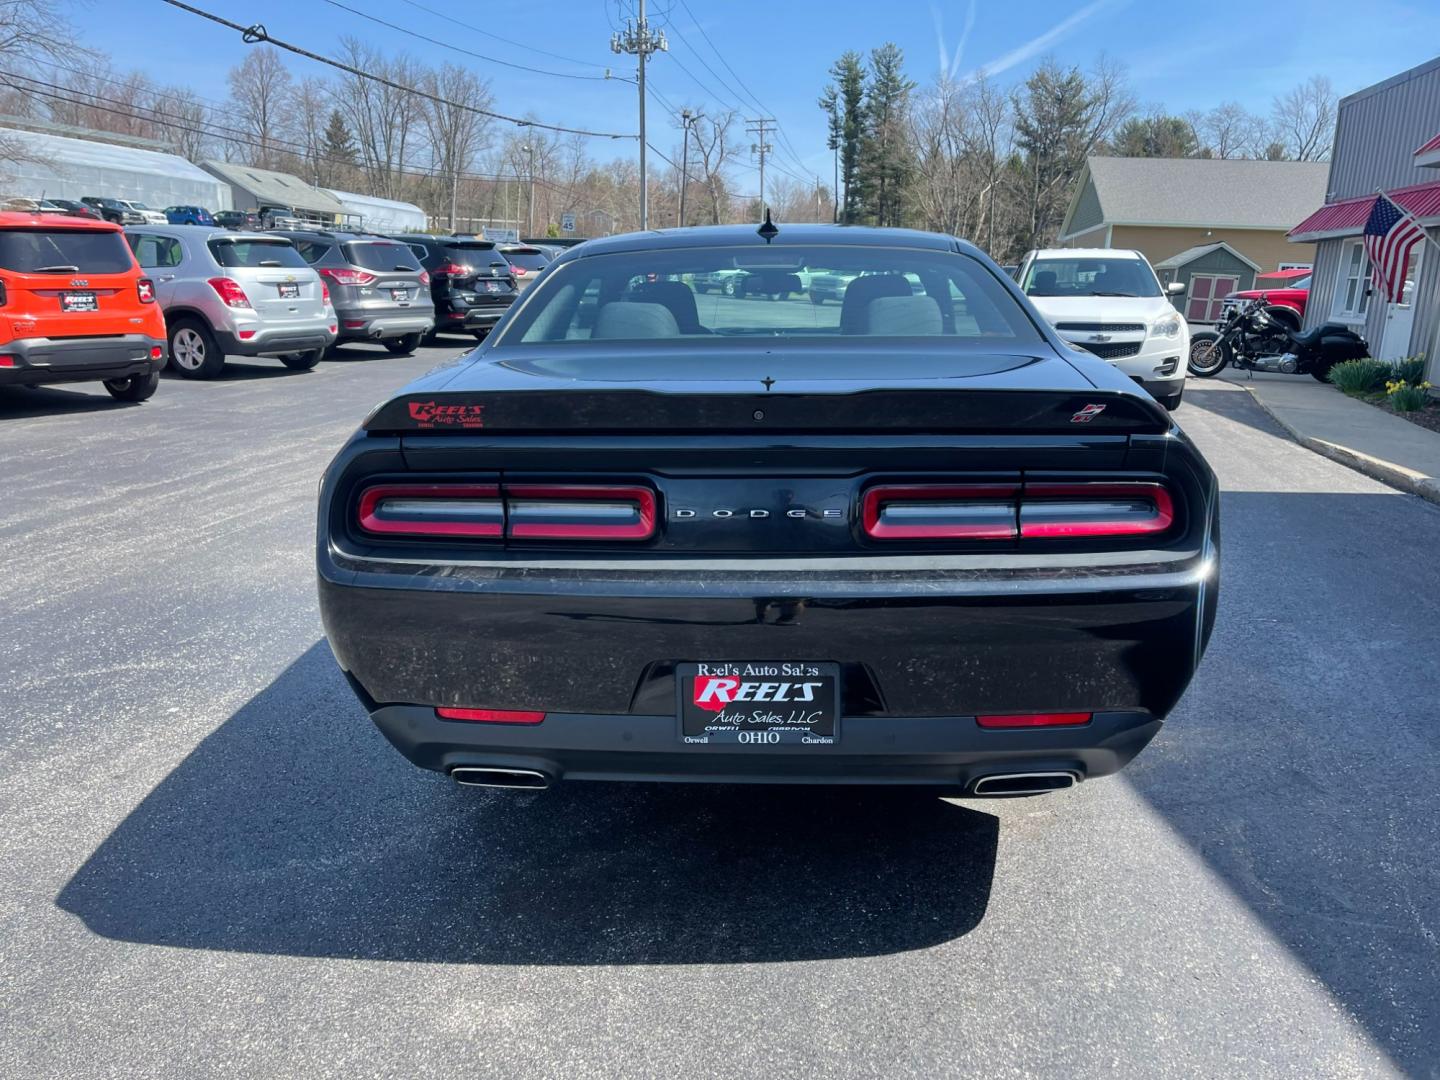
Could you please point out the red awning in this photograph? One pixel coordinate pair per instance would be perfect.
(1428, 156)
(1348, 217)
(1284, 275)
(1433, 144)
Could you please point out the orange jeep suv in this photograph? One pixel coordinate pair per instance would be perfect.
(75, 307)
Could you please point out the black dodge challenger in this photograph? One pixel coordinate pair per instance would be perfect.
(649, 534)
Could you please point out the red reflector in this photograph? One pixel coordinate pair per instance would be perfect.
(156, 352)
(7, 361)
(491, 716)
(940, 511)
(1138, 508)
(1039, 719)
(244, 335)
(354, 324)
(471, 510)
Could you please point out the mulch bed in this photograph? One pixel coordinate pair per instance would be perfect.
(1428, 417)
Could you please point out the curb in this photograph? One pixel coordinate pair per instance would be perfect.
(1397, 476)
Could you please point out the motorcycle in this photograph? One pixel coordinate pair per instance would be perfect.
(1254, 340)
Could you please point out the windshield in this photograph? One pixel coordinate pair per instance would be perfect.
(269, 253)
(380, 255)
(476, 253)
(822, 291)
(68, 251)
(1090, 275)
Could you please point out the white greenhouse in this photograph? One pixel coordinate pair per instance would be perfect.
(381, 215)
(57, 167)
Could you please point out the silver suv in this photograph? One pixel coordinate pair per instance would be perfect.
(377, 285)
(234, 294)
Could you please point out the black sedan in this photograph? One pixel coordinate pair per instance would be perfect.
(644, 535)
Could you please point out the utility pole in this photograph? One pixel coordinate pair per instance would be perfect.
(760, 148)
(529, 149)
(686, 119)
(638, 41)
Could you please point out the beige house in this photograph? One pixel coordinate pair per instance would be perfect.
(1210, 224)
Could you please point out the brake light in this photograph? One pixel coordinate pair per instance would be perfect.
(491, 716)
(146, 288)
(1029, 720)
(579, 512)
(347, 277)
(453, 269)
(324, 293)
(156, 352)
(7, 361)
(940, 512)
(424, 277)
(230, 292)
(1070, 510)
(471, 510)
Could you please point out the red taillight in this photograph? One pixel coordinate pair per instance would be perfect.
(7, 361)
(230, 292)
(354, 324)
(453, 268)
(940, 512)
(1040, 719)
(156, 352)
(424, 277)
(244, 335)
(491, 716)
(325, 294)
(472, 510)
(146, 288)
(517, 512)
(347, 277)
(579, 512)
(1079, 510)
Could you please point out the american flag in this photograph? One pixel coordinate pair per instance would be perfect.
(1390, 234)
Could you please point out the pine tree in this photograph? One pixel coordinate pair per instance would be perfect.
(338, 147)
(886, 159)
(844, 103)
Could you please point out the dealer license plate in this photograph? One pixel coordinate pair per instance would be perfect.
(400, 294)
(79, 301)
(289, 290)
(759, 704)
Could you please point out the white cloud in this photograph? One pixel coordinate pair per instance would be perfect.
(950, 63)
(1041, 42)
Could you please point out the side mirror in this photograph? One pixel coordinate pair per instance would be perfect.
(1175, 288)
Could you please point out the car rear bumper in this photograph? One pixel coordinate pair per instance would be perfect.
(380, 325)
(920, 656)
(274, 342)
(41, 361)
(950, 752)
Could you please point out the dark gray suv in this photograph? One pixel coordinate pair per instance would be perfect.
(380, 291)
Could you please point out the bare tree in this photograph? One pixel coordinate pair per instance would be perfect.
(182, 116)
(457, 130)
(1229, 131)
(261, 87)
(1304, 119)
(384, 119)
(716, 148)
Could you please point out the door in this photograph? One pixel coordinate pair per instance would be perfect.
(1400, 318)
(158, 257)
(1207, 292)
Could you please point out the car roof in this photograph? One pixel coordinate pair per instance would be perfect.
(749, 236)
(23, 219)
(203, 232)
(1088, 253)
(435, 238)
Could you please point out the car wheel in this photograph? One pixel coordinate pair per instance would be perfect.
(302, 361)
(1172, 401)
(403, 346)
(1321, 371)
(729, 287)
(135, 388)
(193, 350)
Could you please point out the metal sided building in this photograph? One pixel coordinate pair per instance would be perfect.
(259, 189)
(1387, 137)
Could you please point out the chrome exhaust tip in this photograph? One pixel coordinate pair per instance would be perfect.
(495, 776)
(1033, 783)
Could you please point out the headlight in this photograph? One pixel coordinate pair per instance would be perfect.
(1167, 326)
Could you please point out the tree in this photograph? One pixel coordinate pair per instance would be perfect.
(260, 86)
(885, 154)
(715, 146)
(337, 148)
(458, 130)
(843, 101)
(1156, 135)
(1229, 131)
(1304, 119)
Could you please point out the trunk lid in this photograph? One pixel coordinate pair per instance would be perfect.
(69, 282)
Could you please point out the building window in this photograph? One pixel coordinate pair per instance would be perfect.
(1207, 295)
(1352, 289)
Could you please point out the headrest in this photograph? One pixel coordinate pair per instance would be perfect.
(631, 320)
(903, 316)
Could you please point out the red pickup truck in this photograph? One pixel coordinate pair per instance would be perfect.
(1285, 290)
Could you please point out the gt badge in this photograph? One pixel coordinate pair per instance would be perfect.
(1084, 416)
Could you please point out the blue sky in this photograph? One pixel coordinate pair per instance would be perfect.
(1180, 56)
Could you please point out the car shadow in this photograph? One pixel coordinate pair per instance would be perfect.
(237, 371)
(21, 402)
(295, 829)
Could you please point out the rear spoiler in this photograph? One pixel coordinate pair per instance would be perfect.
(617, 412)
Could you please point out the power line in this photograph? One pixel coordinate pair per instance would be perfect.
(257, 33)
(456, 48)
(637, 40)
(507, 41)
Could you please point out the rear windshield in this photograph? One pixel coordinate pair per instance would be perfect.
(475, 253)
(380, 255)
(256, 253)
(64, 251)
(530, 260)
(1090, 276)
(823, 291)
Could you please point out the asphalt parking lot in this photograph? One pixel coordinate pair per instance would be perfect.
(210, 863)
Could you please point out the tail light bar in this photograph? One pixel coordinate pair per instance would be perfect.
(454, 269)
(510, 511)
(1047, 510)
(491, 716)
(1033, 720)
(347, 277)
(145, 288)
(230, 292)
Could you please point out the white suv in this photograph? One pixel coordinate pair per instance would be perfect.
(1109, 302)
